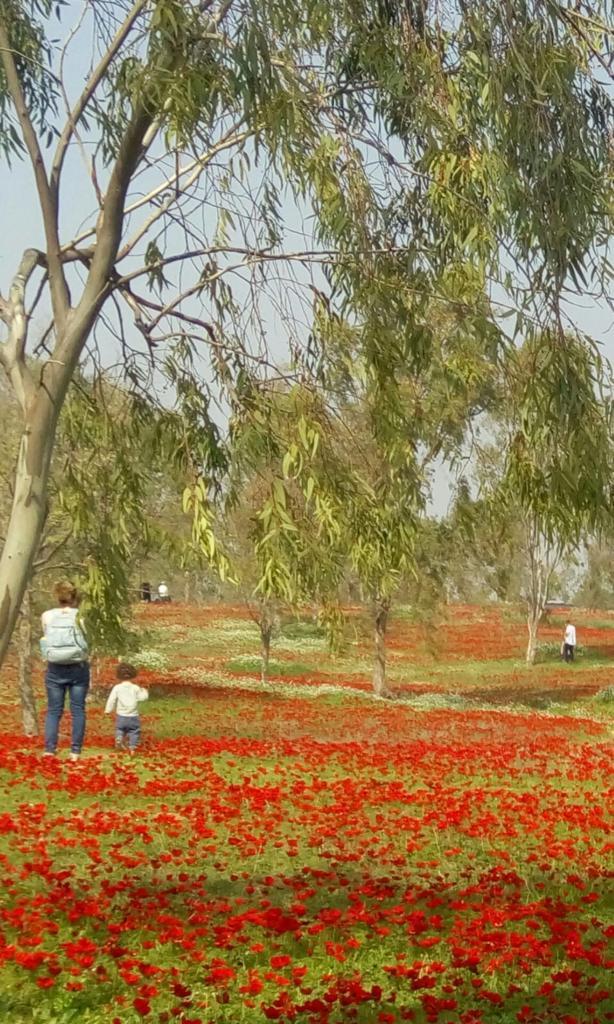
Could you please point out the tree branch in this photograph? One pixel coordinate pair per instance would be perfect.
(194, 170)
(44, 561)
(143, 200)
(88, 163)
(569, 18)
(108, 232)
(137, 302)
(253, 256)
(59, 289)
(13, 312)
(92, 84)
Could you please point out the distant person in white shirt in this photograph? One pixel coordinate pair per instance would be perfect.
(569, 642)
(125, 698)
(163, 594)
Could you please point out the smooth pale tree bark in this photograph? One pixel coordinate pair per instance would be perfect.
(533, 621)
(268, 624)
(382, 611)
(28, 512)
(27, 697)
(543, 558)
(536, 604)
(266, 631)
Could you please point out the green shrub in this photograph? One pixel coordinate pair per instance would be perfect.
(299, 630)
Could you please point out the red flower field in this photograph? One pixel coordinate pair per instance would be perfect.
(271, 856)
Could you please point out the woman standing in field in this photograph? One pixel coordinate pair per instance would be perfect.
(68, 672)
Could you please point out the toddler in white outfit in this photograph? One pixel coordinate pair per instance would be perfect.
(125, 698)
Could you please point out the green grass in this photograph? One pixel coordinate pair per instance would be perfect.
(285, 669)
(297, 629)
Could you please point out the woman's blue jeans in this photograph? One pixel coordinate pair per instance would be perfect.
(60, 680)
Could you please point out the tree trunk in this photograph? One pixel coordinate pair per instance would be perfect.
(28, 512)
(266, 630)
(536, 604)
(29, 714)
(379, 660)
(533, 618)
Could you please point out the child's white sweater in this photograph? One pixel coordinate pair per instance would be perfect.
(125, 697)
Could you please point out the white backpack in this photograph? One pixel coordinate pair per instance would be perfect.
(63, 642)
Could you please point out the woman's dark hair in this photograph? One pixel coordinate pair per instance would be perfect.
(66, 593)
(125, 671)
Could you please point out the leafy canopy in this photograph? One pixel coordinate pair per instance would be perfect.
(455, 166)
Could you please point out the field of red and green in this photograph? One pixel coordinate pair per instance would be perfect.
(304, 853)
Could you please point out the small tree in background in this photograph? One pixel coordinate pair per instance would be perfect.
(284, 518)
(484, 534)
(557, 419)
(596, 588)
(239, 529)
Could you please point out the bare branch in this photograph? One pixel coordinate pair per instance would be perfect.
(108, 231)
(39, 292)
(48, 201)
(44, 561)
(87, 162)
(197, 164)
(42, 345)
(254, 256)
(569, 18)
(232, 138)
(90, 88)
(13, 312)
(137, 302)
(172, 308)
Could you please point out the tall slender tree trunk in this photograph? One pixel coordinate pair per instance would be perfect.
(533, 619)
(28, 512)
(382, 610)
(543, 558)
(29, 713)
(266, 630)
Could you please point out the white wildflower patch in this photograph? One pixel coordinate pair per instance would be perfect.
(435, 701)
(274, 686)
(234, 630)
(154, 660)
(300, 645)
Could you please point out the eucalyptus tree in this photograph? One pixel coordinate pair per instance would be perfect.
(284, 521)
(395, 428)
(559, 455)
(596, 585)
(457, 153)
(542, 470)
